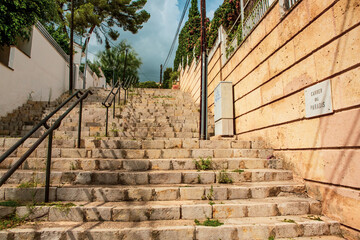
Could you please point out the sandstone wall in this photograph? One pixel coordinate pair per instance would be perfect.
(315, 41)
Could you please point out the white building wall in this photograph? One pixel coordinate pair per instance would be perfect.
(43, 76)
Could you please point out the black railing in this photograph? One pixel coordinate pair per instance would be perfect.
(129, 81)
(107, 104)
(49, 132)
(111, 98)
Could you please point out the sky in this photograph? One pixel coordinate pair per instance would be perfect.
(154, 40)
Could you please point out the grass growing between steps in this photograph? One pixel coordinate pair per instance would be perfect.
(203, 164)
(315, 218)
(238, 170)
(28, 185)
(163, 96)
(11, 221)
(288, 220)
(224, 177)
(65, 207)
(10, 203)
(209, 223)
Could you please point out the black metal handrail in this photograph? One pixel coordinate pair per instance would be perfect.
(49, 133)
(129, 81)
(107, 104)
(39, 125)
(114, 91)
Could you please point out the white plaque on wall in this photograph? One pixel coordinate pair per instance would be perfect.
(318, 99)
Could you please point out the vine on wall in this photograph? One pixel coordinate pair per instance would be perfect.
(227, 15)
(189, 38)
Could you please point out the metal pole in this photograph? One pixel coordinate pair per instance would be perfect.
(115, 92)
(85, 67)
(242, 17)
(79, 128)
(48, 168)
(125, 65)
(204, 114)
(71, 71)
(107, 120)
(119, 95)
(161, 69)
(114, 102)
(113, 80)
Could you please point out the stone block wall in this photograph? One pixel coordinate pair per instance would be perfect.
(284, 54)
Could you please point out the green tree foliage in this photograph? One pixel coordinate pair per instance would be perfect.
(112, 60)
(170, 77)
(148, 84)
(174, 76)
(102, 17)
(61, 37)
(226, 16)
(94, 66)
(166, 82)
(18, 16)
(189, 37)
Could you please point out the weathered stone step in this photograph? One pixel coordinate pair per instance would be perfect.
(157, 192)
(126, 129)
(88, 164)
(233, 229)
(129, 134)
(149, 177)
(170, 144)
(314, 238)
(172, 210)
(146, 153)
(116, 142)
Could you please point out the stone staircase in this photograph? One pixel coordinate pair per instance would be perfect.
(153, 179)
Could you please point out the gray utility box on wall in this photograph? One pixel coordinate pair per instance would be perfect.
(224, 111)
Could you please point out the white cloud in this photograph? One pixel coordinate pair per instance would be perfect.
(154, 40)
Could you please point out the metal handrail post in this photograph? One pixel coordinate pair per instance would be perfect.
(40, 124)
(114, 105)
(48, 167)
(56, 125)
(119, 89)
(79, 128)
(107, 120)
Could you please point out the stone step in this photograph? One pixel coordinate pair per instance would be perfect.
(149, 177)
(145, 153)
(88, 164)
(159, 192)
(116, 142)
(129, 134)
(172, 210)
(152, 153)
(170, 144)
(314, 238)
(257, 228)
